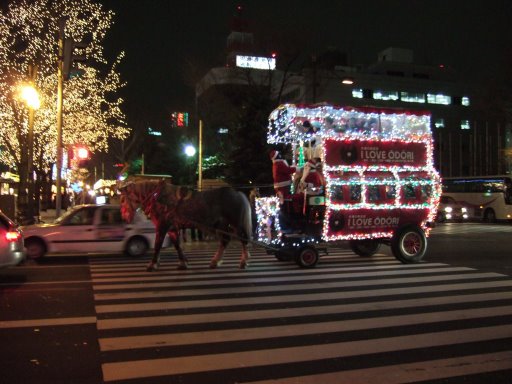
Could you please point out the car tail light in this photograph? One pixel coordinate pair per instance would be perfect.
(12, 236)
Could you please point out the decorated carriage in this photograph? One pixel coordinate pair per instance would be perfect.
(380, 185)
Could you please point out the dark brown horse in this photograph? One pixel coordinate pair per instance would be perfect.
(170, 207)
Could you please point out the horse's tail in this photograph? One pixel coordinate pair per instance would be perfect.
(246, 217)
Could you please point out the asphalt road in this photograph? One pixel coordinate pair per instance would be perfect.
(350, 319)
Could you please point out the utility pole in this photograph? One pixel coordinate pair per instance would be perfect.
(60, 79)
(200, 160)
(30, 154)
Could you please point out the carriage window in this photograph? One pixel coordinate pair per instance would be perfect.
(390, 192)
(373, 193)
(337, 194)
(355, 193)
(409, 192)
(426, 192)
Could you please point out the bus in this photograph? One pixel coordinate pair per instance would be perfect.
(488, 198)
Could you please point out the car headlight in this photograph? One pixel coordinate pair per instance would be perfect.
(448, 209)
(464, 209)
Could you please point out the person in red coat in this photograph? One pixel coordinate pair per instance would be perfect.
(312, 176)
(282, 174)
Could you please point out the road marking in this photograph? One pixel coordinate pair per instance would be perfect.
(292, 275)
(65, 282)
(183, 291)
(30, 323)
(255, 314)
(290, 330)
(407, 373)
(258, 358)
(213, 303)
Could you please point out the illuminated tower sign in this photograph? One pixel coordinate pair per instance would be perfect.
(256, 62)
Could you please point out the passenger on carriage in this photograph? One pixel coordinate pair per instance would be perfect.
(282, 174)
(312, 180)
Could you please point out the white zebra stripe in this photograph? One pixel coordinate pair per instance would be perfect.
(289, 287)
(162, 305)
(346, 274)
(241, 359)
(203, 337)
(408, 373)
(255, 314)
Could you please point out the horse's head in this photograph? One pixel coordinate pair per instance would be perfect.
(130, 201)
(138, 194)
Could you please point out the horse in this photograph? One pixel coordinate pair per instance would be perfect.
(171, 207)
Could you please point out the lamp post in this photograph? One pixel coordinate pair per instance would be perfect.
(31, 97)
(190, 151)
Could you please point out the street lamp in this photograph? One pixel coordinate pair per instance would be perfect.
(190, 150)
(31, 97)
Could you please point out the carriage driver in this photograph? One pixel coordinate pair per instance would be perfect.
(281, 173)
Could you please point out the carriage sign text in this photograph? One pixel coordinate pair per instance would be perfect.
(367, 153)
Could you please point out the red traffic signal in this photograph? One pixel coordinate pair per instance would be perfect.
(82, 153)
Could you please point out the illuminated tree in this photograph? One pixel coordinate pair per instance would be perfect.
(92, 112)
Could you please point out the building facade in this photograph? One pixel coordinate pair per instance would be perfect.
(467, 141)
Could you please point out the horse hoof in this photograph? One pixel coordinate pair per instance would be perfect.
(215, 263)
(244, 264)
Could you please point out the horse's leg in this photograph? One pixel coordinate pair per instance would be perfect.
(161, 230)
(217, 258)
(174, 235)
(244, 259)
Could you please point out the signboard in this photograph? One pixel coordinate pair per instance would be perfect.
(372, 152)
(367, 223)
(180, 119)
(256, 62)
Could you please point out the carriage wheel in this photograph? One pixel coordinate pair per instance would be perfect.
(409, 244)
(364, 248)
(307, 257)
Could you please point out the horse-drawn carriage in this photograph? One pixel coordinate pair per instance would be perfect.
(381, 186)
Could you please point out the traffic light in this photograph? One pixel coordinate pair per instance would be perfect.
(71, 57)
(79, 157)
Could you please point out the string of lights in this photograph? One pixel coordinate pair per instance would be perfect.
(378, 167)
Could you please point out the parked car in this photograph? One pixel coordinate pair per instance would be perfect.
(11, 242)
(450, 209)
(90, 228)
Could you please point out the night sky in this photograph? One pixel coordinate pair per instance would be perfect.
(169, 45)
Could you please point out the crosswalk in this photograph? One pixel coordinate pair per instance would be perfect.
(349, 320)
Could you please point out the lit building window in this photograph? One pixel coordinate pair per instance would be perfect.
(464, 124)
(357, 93)
(438, 99)
(439, 123)
(465, 101)
(385, 95)
(412, 97)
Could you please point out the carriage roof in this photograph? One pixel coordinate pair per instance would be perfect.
(286, 123)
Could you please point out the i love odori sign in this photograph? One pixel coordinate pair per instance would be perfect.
(393, 153)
